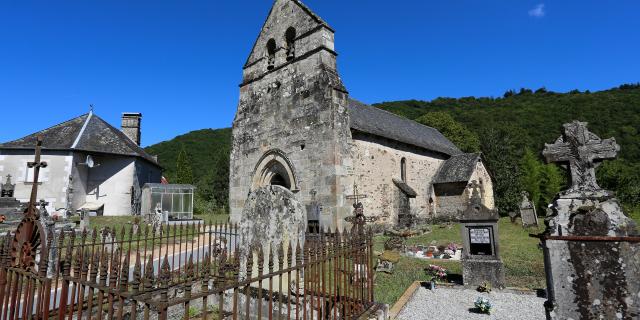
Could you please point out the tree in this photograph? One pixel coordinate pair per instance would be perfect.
(462, 137)
(530, 175)
(499, 151)
(184, 173)
(551, 182)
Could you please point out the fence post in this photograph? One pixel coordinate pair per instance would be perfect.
(164, 277)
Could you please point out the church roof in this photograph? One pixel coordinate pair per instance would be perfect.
(88, 133)
(382, 123)
(458, 168)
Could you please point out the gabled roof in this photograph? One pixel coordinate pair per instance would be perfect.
(88, 133)
(458, 168)
(302, 6)
(385, 124)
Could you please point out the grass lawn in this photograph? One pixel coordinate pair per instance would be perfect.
(523, 260)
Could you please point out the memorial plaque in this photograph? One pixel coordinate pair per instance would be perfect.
(480, 241)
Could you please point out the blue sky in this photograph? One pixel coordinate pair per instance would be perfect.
(179, 62)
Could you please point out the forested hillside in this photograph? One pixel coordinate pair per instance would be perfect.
(206, 154)
(509, 130)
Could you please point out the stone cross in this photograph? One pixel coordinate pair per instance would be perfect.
(581, 149)
(475, 192)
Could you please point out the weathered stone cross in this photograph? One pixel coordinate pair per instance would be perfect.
(581, 149)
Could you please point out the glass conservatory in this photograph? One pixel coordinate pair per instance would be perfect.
(172, 201)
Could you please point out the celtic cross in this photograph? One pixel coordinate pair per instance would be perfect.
(582, 150)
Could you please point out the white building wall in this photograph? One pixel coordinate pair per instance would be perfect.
(53, 180)
(109, 183)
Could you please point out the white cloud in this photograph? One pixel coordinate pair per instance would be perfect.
(537, 11)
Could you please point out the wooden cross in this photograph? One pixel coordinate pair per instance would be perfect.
(581, 149)
(36, 165)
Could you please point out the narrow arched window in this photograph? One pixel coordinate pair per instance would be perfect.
(290, 37)
(403, 169)
(271, 54)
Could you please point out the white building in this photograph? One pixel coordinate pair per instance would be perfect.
(91, 165)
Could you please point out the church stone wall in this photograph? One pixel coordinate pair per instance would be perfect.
(296, 110)
(376, 161)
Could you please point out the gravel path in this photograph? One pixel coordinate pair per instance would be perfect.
(457, 304)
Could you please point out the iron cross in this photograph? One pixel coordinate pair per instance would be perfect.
(355, 196)
(36, 165)
(581, 149)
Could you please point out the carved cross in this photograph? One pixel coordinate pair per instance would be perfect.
(475, 192)
(581, 149)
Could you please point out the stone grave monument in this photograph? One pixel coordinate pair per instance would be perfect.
(11, 210)
(480, 255)
(528, 212)
(272, 217)
(591, 248)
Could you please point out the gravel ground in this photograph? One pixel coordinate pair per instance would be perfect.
(457, 304)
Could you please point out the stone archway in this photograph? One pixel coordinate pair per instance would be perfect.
(274, 168)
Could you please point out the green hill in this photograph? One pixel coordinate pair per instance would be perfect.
(208, 153)
(505, 127)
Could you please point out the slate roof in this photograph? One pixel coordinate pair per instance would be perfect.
(458, 168)
(382, 123)
(405, 188)
(88, 133)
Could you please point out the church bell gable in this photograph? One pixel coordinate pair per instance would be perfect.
(291, 32)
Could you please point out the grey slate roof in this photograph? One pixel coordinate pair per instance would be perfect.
(458, 168)
(382, 123)
(405, 188)
(88, 133)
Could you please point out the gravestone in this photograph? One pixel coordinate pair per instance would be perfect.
(528, 212)
(591, 248)
(11, 210)
(480, 255)
(272, 217)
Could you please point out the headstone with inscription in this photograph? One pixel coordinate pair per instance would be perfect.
(528, 212)
(480, 255)
(591, 248)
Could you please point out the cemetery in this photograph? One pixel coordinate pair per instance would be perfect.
(336, 210)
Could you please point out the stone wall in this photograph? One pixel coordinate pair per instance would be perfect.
(450, 198)
(376, 161)
(292, 119)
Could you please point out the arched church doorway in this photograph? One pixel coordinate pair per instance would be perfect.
(274, 169)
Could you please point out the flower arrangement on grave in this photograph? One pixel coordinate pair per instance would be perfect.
(484, 305)
(453, 247)
(437, 273)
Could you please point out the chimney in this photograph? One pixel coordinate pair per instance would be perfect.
(131, 125)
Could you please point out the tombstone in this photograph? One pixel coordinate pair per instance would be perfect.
(7, 188)
(591, 248)
(480, 259)
(84, 220)
(528, 212)
(272, 217)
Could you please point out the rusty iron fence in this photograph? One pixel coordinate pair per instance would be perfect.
(198, 271)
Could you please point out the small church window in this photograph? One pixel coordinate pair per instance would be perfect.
(271, 54)
(403, 169)
(290, 37)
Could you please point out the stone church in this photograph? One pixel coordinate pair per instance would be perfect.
(296, 126)
(90, 165)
